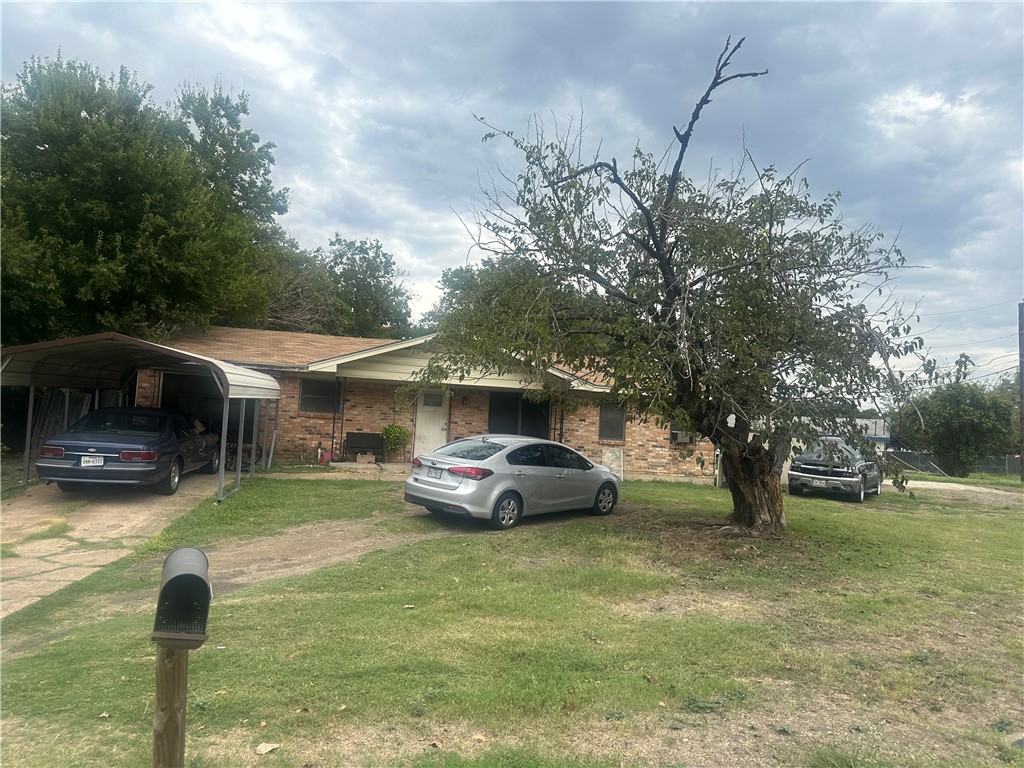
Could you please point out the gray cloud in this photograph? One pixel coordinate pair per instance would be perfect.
(913, 110)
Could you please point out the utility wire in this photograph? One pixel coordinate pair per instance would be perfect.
(972, 309)
(976, 341)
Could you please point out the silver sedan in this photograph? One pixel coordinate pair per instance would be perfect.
(502, 478)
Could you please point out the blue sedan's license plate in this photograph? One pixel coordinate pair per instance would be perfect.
(92, 461)
(433, 472)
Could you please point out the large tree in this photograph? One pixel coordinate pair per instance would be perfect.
(739, 308)
(370, 288)
(959, 423)
(237, 168)
(118, 215)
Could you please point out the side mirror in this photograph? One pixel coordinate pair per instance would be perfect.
(183, 604)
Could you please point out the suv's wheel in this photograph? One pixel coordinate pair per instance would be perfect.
(878, 488)
(604, 503)
(794, 490)
(508, 510)
(858, 495)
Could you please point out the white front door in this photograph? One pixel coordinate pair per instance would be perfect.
(431, 421)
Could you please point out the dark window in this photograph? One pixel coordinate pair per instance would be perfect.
(528, 456)
(318, 396)
(509, 413)
(125, 422)
(612, 425)
(564, 458)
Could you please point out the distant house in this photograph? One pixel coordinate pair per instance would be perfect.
(335, 389)
(877, 431)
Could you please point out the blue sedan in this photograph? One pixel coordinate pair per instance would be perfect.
(129, 446)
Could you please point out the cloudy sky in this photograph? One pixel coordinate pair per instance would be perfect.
(912, 110)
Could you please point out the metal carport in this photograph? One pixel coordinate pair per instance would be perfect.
(108, 360)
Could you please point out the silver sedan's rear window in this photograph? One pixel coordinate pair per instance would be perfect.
(471, 450)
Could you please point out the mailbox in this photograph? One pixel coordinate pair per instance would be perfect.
(184, 601)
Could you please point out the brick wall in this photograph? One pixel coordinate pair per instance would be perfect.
(366, 407)
(646, 452)
(469, 409)
(369, 405)
(147, 389)
(300, 434)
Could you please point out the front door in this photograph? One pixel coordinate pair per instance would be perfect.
(431, 421)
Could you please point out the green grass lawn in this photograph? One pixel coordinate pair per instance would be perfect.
(882, 634)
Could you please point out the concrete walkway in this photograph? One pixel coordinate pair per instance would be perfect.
(52, 538)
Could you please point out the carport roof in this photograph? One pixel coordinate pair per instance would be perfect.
(107, 360)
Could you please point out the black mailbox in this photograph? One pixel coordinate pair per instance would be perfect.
(184, 601)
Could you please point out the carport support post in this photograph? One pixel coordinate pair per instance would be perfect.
(169, 715)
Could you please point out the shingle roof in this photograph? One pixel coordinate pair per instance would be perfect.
(270, 349)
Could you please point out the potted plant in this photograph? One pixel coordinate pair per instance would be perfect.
(396, 437)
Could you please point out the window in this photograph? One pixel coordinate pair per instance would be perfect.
(612, 424)
(318, 396)
(528, 456)
(433, 399)
(564, 458)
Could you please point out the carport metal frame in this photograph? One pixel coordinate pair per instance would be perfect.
(108, 360)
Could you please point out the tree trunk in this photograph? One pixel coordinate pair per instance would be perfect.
(754, 484)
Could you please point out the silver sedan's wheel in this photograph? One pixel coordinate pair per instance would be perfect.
(508, 509)
(604, 503)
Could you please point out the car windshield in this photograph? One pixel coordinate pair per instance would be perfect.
(830, 450)
(472, 450)
(121, 422)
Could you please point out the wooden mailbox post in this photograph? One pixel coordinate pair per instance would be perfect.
(182, 608)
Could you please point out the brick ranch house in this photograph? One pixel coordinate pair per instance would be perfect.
(333, 387)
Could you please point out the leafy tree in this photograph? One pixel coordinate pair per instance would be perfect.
(371, 298)
(303, 297)
(117, 215)
(105, 208)
(959, 423)
(354, 289)
(237, 168)
(235, 164)
(738, 308)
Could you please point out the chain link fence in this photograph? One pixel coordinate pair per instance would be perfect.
(926, 462)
